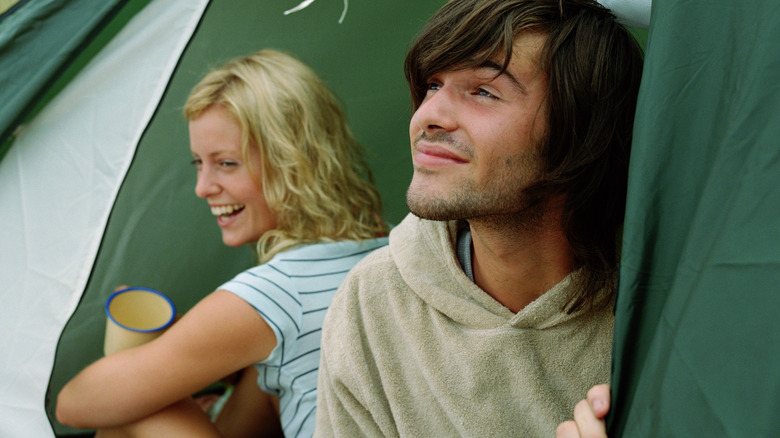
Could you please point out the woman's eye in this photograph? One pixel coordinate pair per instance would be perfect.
(197, 162)
(228, 163)
(432, 86)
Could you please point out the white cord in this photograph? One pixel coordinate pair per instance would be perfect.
(306, 3)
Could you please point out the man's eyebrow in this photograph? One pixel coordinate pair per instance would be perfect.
(501, 71)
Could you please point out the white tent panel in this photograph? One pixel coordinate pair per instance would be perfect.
(57, 187)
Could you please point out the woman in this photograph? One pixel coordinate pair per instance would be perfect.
(279, 167)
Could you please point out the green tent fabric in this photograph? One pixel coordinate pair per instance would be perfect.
(38, 41)
(697, 336)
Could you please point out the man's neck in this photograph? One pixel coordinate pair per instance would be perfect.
(517, 263)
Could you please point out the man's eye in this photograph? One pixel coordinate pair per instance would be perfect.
(483, 92)
(432, 86)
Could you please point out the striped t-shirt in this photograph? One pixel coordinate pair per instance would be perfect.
(292, 293)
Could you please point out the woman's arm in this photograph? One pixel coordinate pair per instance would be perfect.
(218, 336)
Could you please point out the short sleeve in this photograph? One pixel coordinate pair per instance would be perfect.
(272, 294)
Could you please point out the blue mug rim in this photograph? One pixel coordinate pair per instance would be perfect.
(127, 289)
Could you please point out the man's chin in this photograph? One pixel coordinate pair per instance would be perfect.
(434, 210)
(430, 217)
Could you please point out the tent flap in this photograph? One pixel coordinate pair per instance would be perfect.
(697, 338)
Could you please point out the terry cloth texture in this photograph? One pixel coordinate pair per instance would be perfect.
(411, 347)
(292, 292)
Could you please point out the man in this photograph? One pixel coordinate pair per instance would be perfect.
(489, 314)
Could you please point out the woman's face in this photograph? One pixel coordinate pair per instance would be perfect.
(224, 179)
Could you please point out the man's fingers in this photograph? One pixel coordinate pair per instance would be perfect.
(588, 424)
(599, 399)
(567, 429)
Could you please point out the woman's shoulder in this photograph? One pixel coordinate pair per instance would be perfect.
(324, 251)
(317, 258)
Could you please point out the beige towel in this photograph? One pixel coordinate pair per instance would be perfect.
(411, 347)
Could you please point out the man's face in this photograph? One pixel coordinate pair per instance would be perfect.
(475, 138)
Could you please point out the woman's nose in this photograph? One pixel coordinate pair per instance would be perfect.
(205, 186)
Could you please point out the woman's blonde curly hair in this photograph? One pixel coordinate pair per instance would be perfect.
(314, 175)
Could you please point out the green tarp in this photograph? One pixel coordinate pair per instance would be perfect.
(697, 349)
(38, 41)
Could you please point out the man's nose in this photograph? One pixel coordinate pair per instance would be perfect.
(438, 111)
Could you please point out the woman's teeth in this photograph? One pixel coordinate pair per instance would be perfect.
(225, 210)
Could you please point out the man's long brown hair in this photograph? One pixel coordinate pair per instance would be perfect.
(593, 65)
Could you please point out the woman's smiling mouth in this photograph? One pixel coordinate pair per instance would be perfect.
(226, 211)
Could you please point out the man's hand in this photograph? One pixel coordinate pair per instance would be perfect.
(588, 416)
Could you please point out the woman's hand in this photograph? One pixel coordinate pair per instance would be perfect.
(588, 416)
